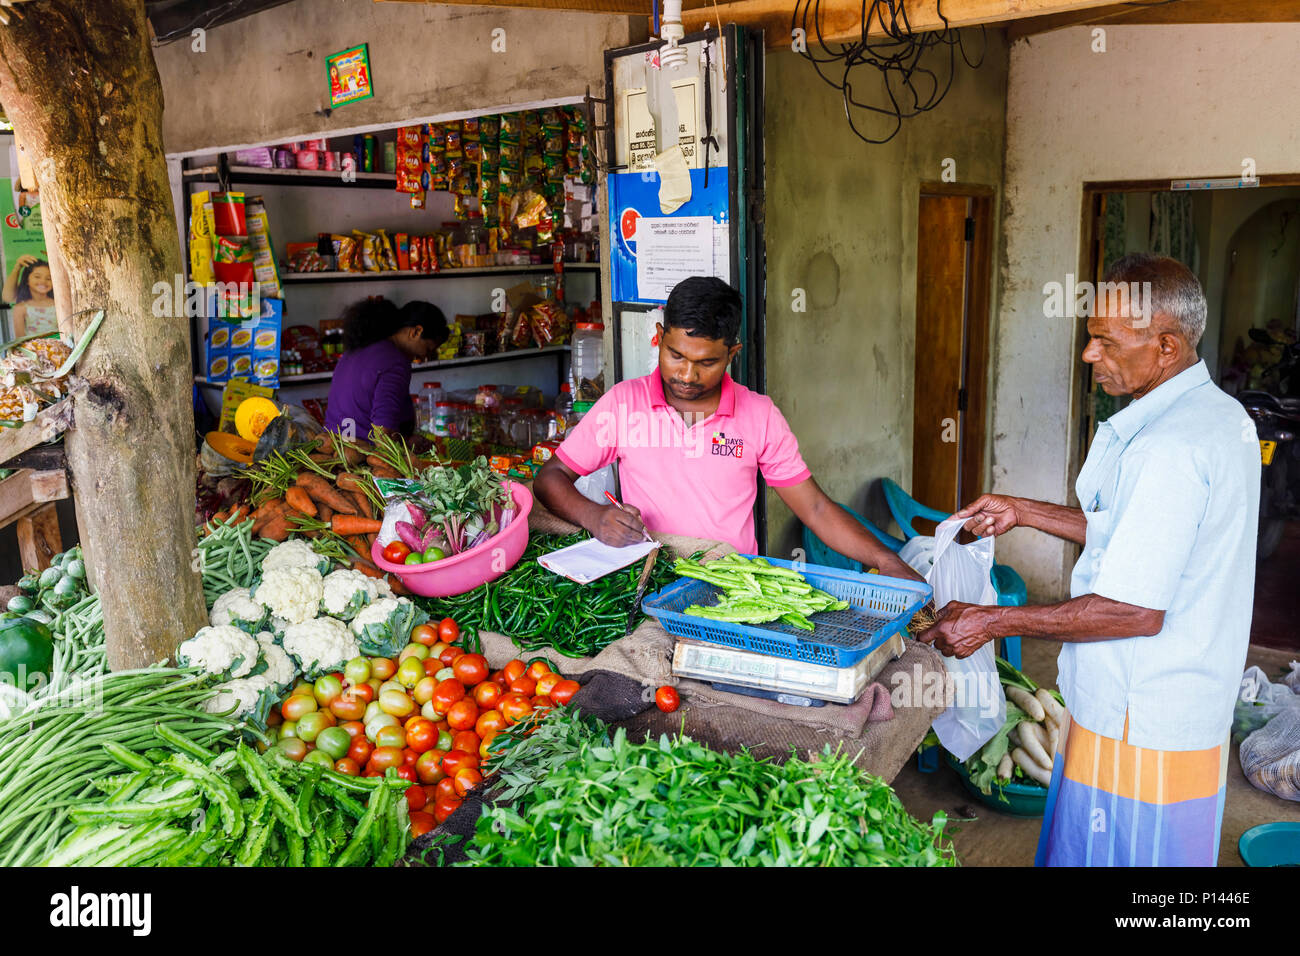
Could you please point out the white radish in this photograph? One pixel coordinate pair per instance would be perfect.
(1005, 767)
(1034, 745)
(1050, 706)
(1026, 702)
(1053, 738)
(1032, 770)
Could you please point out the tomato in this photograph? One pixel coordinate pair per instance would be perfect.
(448, 657)
(411, 671)
(390, 737)
(421, 822)
(330, 719)
(499, 678)
(458, 760)
(407, 773)
(487, 694)
(395, 552)
(466, 740)
(462, 714)
(396, 703)
(347, 766)
(356, 671)
(542, 702)
(444, 809)
(360, 750)
(334, 741)
(470, 669)
(514, 707)
(409, 757)
(514, 670)
(466, 780)
(385, 757)
(374, 684)
(292, 747)
(326, 689)
(431, 666)
(563, 692)
(489, 722)
(546, 683)
(428, 766)
(382, 667)
(348, 707)
(297, 705)
(447, 693)
(444, 738)
(364, 692)
(444, 790)
(311, 725)
(667, 699)
(425, 634)
(418, 651)
(301, 686)
(320, 758)
(523, 685)
(355, 729)
(485, 748)
(448, 631)
(538, 669)
(421, 735)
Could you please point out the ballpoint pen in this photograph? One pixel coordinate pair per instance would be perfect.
(617, 504)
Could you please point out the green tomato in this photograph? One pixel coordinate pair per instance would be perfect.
(310, 725)
(289, 730)
(321, 757)
(428, 711)
(327, 689)
(382, 720)
(372, 711)
(413, 650)
(334, 741)
(357, 670)
(444, 740)
(410, 672)
(445, 674)
(390, 737)
(414, 558)
(293, 748)
(435, 553)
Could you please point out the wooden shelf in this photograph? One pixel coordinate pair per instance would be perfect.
(296, 278)
(261, 176)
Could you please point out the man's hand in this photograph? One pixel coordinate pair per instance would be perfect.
(619, 527)
(990, 515)
(960, 629)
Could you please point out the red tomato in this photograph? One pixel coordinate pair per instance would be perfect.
(382, 668)
(459, 760)
(538, 669)
(542, 702)
(666, 699)
(408, 773)
(429, 767)
(485, 748)
(448, 657)
(487, 694)
(385, 757)
(445, 808)
(424, 634)
(421, 822)
(446, 694)
(499, 678)
(372, 772)
(355, 728)
(409, 757)
(470, 669)
(361, 750)
(462, 714)
(395, 552)
(514, 707)
(416, 797)
(448, 631)
(489, 722)
(514, 670)
(348, 706)
(466, 780)
(444, 790)
(546, 683)
(421, 735)
(347, 766)
(523, 685)
(362, 692)
(563, 692)
(466, 740)
(431, 665)
(297, 705)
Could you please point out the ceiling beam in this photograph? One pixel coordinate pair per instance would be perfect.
(1182, 11)
(628, 7)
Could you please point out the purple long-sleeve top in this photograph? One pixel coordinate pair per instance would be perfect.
(372, 386)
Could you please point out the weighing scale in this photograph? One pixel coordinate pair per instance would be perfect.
(738, 671)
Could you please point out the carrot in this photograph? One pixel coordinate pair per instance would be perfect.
(346, 524)
(319, 457)
(368, 569)
(358, 544)
(396, 584)
(269, 512)
(220, 516)
(363, 505)
(348, 481)
(297, 497)
(381, 468)
(279, 527)
(240, 512)
(324, 513)
(322, 492)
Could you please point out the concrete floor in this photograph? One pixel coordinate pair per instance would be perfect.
(996, 839)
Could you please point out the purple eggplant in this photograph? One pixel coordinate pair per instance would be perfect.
(409, 535)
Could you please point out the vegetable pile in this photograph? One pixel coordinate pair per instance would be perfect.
(453, 510)
(1022, 750)
(754, 591)
(537, 608)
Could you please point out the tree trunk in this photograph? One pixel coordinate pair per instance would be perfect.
(78, 82)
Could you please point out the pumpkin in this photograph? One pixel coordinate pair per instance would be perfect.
(253, 415)
(231, 446)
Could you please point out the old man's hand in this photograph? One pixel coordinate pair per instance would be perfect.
(959, 629)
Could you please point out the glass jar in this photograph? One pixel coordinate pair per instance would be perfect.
(443, 420)
(488, 398)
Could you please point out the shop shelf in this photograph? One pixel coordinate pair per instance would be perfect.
(297, 278)
(260, 176)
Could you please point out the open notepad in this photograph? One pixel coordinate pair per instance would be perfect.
(591, 560)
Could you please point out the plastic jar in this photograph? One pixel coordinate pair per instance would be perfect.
(443, 420)
(587, 360)
(488, 398)
(430, 397)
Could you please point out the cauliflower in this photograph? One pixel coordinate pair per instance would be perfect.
(385, 626)
(347, 592)
(320, 645)
(295, 553)
(280, 668)
(292, 593)
(277, 625)
(236, 608)
(220, 649)
(245, 694)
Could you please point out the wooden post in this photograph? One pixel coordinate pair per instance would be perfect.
(38, 537)
(78, 82)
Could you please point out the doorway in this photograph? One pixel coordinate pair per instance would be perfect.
(953, 261)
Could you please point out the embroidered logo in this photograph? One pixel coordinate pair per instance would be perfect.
(728, 447)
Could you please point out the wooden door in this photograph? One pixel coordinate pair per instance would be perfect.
(954, 246)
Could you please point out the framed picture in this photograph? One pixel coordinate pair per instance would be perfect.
(349, 75)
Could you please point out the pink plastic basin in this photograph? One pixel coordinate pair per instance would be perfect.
(466, 571)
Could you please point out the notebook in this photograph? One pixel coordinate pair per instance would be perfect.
(591, 560)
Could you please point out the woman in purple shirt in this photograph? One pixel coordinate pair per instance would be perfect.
(372, 382)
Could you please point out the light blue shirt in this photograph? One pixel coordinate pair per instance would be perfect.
(1170, 491)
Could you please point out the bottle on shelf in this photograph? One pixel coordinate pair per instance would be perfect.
(587, 360)
(563, 408)
(430, 399)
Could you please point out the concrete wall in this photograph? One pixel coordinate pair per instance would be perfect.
(841, 225)
(263, 79)
(1155, 105)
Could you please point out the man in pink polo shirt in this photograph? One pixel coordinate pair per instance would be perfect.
(690, 444)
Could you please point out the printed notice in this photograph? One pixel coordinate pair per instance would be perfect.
(640, 127)
(670, 250)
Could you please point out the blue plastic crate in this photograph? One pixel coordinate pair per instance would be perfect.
(879, 608)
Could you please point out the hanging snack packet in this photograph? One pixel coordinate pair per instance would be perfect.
(387, 256)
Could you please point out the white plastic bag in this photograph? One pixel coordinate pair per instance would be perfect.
(918, 553)
(961, 572)
(1259, 701)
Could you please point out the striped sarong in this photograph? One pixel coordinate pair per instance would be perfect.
(1113, 804)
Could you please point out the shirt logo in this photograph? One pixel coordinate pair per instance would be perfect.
(728, 447)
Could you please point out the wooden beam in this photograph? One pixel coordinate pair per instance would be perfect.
(39, 539)
(628, 7)
(25, 488)
(48, 424)
(1180, 11)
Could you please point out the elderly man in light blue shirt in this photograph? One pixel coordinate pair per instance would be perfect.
(1158, 622)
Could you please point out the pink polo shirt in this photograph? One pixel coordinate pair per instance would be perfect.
(699, 481)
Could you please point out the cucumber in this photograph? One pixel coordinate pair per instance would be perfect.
(21, 604)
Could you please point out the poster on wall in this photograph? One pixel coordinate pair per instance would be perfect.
(28, 287)
(349, 73)
(648, 274)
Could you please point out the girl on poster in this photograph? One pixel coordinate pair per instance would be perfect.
(31, 288)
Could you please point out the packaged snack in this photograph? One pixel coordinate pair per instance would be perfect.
(551, 117)
(260, 156)
(437, 136)
(415, 253)
(284, 159)
(550, 324)
(408, 182)
(544, 451)
(489, 129)
(510, 129)
(521, 330)
(417, 200)
(473, 151)
(241, 364)
(475, 344)
(450, 348)
(201, 270)
(370, 258)
(402, 250)
(218, 369)
(314, 144)
(303, 257)
(410, 136)
(453, 141)
(388, 258)
(307, 159)
(228, 210)
(469, 129)
(346, 253)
